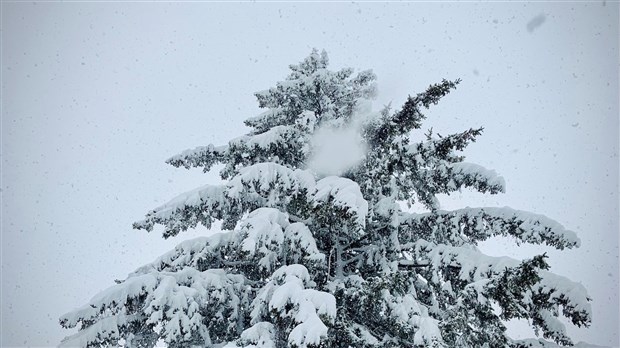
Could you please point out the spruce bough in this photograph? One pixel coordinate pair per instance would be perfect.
(313, 258)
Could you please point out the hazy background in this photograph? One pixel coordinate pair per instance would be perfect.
(95, 96)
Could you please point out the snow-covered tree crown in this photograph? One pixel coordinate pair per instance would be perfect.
(316, 259)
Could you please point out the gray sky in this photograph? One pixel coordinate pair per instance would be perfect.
(95, 96)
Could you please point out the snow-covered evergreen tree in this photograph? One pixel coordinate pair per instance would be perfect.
(331, 258)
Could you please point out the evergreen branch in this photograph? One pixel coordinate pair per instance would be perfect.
(443, 147)
(479, 224)
(409, 117)
(435, 92)
(202, 156)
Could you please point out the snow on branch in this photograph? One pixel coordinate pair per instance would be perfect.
(379, 311)
(280, 144)
(269, 181)
(202, 156)
(260, 185)
(446, 178)
(179, 307)
(432, 167)
(268, 236)
(435, 92)
(264, 239)
(263, 184)
(105, 332)
(263, 140)
(422, 170)
(471, 225)
(201, 205)
(306, 309)
(533, 343)
(259, 335)
(553, 328)
(271, 118)
(342, 193)
(107, 301)
(522, 289)
(284, 145)
(201, 253)
(472, 265)
(407, 311)
(476, 176)
(572, 297)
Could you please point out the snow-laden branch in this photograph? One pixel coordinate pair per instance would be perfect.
(202, 156)
(260, 185)
(431, 167)
(202, 205)
(266, 120)
(307, 310)
(180, 308)
(471, 225)
(521, 288)
(263, 184)
(283, 145)
(420, 171)
(342, 193)
(264, 239)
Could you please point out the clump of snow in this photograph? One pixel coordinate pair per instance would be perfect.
(427, 332)
(362, 334)
(259, 335)
(297, 237)
(132, 287)
(337, 148)
(288, 295)
(480, 173)
(343, 193)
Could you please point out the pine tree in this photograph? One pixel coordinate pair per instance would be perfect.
(311, 258)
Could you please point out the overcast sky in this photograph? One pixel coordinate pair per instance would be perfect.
(95, 96)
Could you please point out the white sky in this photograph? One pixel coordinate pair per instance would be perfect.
(95, 96)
